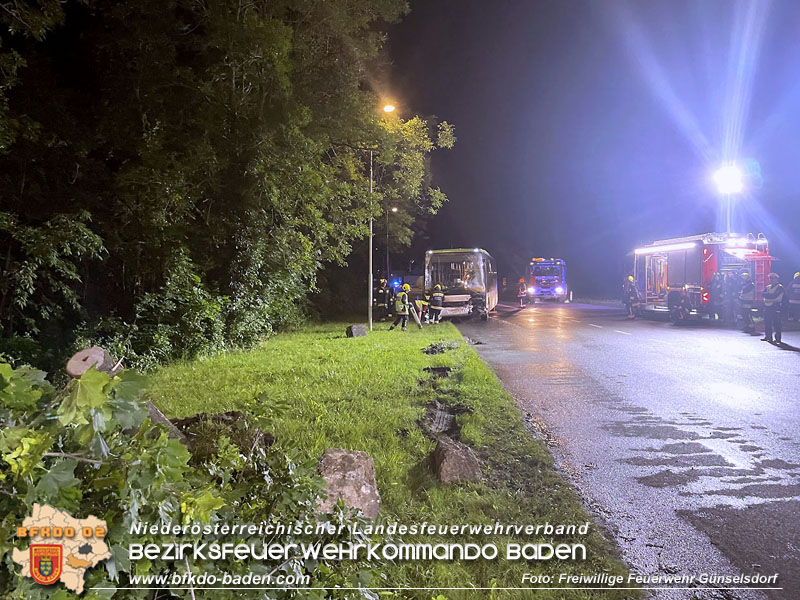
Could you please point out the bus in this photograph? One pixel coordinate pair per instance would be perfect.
(468, 278)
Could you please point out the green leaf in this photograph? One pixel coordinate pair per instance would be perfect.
(60, 475)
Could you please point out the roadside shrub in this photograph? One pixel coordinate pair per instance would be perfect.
(89, 449)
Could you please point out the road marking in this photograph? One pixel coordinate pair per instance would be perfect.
(622, 332)
(593, 325)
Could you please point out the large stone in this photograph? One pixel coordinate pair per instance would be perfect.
(359, 330)
(349, 475)
(454, 462)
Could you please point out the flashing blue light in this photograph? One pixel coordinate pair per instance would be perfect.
(395, 283)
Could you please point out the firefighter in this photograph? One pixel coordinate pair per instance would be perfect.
(521, 291)
(435, 304)
(401, 304)
(717, 293)
(747, 296)
(793, 297)
(630, 297)
(383, 300)
(773, 301)
(730, 291)
(683, 308)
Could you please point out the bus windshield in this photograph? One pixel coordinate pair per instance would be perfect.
(464, 272)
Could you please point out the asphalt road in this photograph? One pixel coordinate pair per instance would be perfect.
(684, 441)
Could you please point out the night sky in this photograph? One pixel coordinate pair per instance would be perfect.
(587, 128)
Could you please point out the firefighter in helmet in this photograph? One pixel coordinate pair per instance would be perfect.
(435, 304)
(773, 302)
(793, 297)
(383, 300)
(521, 291)
(630, 297)
(401, 305)
(747, 296)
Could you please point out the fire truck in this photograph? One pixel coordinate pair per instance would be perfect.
(548, 279)
(669, 268)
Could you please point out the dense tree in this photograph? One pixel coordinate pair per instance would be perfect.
(187, 166)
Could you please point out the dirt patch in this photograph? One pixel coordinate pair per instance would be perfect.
(777, 463)
(758, 539)
(203, 431)
(656, 432)
(440, 347)
(682, 448)
(685, 460)
(438, 371)
(668, 478)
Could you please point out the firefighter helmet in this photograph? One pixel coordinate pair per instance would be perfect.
(382, 281)
(630, 278)
(406, 287)
(438, 286)
(521, 280)
(746, 275)
(797, 275)
(774, 276)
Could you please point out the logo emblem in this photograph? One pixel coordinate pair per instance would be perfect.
(46, 562)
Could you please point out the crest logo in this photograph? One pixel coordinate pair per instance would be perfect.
(46, 562)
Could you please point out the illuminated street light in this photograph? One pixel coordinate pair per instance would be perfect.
(389, 108)
(729, 181)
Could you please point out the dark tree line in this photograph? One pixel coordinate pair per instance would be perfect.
(174, 173)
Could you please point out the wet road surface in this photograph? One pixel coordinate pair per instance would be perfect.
(684, 441)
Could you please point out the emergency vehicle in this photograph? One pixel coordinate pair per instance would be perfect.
(547, 279)
(666, 269)
(468, 278)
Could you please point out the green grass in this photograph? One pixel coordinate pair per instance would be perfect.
(368, 394)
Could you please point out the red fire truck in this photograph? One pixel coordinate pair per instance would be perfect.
(665, 269)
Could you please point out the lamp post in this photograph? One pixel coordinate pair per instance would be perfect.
(729, 182)
(387, 108)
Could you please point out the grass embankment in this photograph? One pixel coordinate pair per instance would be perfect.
(368, 394)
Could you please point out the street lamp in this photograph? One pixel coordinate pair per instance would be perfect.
(387, 108)
(729, 181)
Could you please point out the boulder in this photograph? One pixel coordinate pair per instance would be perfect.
(349, 475)
(454, 462)
(359, 330)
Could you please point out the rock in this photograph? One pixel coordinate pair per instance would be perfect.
(349, 475)
(453, 462)
(82, 361)
(156, 416)
(359, 330)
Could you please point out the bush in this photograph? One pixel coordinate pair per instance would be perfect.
(90, 450)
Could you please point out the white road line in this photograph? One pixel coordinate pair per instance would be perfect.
(593, 325)
(622, 332)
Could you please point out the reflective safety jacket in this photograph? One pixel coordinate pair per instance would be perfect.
(773, 295)
(401, 303)
(437, 299)
(521, 290)
(747, 295)
(793, 292)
